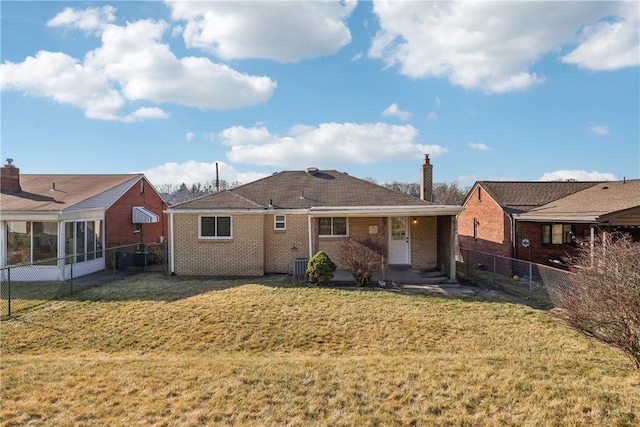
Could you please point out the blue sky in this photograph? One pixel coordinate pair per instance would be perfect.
(490, 90)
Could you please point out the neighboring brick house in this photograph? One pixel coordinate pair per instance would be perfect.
(549, 217)
(46, 218)
(264, 226)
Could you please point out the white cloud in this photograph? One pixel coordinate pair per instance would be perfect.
(600, 129)
(192, 172)
(433, 116)
(326, 145)
(578, 175)
(282, 31)
(62, 78)
(437, 102)
(88, 20)
(394, 111)
(145, 113)
(609, 45)
(491, 46)
(132, 64)
(189, 136)
(477, 146)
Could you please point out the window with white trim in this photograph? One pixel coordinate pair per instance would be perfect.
(83, 240)
(556, 234)
(32, 242)
(280, 222)
(214, 227)
(332, 226)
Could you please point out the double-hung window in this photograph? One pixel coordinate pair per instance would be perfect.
(556, 234)
(214, 227)
(332, 226)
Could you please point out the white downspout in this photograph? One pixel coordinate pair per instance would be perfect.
(310, 237)
(172, 258)
(452, 249)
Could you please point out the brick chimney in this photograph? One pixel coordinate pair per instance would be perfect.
(10, 182)
(426, 184)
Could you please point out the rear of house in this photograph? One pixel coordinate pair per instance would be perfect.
(265, 226)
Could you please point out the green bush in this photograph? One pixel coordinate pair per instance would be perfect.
(320, 268)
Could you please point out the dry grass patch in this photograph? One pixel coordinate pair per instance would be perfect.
(152, 351)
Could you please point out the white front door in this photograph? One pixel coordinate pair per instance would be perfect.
(399, 240)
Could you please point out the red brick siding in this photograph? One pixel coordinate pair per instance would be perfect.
(494, 229)
(539, 253)
(118, 220)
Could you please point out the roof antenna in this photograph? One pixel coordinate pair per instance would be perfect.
(217, 180)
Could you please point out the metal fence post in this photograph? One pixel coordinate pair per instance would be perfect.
(71, 278)
(530, 275)
(9, 291)
(494, 269)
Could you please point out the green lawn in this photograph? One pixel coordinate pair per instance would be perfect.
(148, 350)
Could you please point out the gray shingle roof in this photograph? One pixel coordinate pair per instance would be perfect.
(301, 190)
(522, 196)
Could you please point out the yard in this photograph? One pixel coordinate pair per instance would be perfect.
(149, 350)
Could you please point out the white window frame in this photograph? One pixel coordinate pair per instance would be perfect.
(282, 221)
(346, 219)
(216, 237)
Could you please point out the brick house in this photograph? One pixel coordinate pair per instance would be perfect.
(46, 218)
(542, 221)
(264, 226)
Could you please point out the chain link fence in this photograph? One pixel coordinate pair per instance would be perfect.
(27, 285)
(528, 280)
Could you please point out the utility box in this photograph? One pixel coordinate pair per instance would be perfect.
(122, 260)
(300, 267)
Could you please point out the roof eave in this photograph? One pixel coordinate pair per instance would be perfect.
(375, 211)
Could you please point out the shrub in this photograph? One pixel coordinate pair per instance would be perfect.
(362, 258)
(603, 299)
(320, 268)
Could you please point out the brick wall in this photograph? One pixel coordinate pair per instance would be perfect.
(358, 228)
(424, 242)
(539, 253)
(240, 256)
(494, 226)
(118, 222)
(281, 247)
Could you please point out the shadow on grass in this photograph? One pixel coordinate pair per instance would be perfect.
(160, 287)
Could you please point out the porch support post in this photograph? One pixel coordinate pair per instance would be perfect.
(452, 247)
(310, 236)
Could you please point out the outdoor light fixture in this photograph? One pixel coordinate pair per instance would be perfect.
(415, 220)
